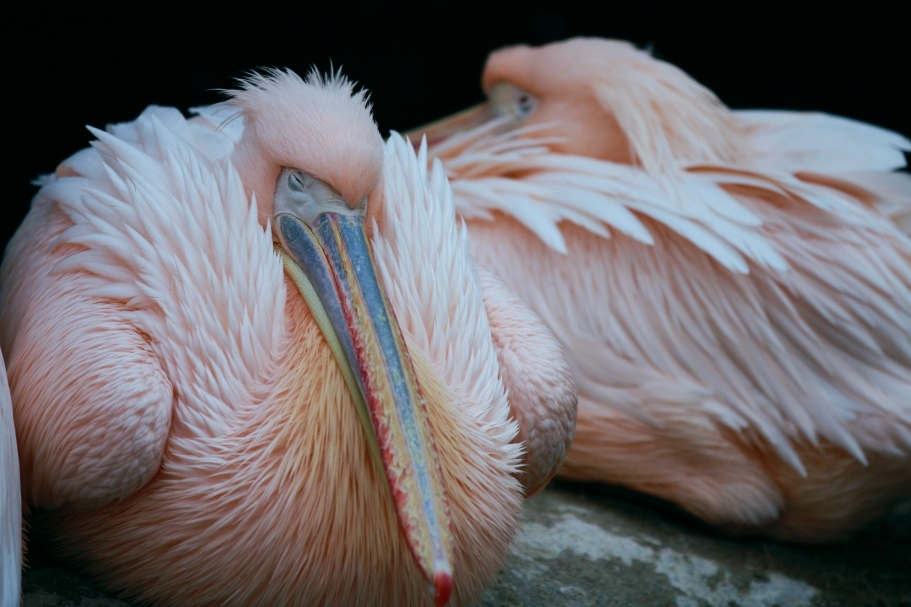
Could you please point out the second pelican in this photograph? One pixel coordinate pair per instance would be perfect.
(733, 288)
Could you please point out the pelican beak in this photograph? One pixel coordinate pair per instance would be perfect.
(327, 254)
(456, 123)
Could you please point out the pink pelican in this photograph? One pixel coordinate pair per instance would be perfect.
(198, 426)
(10, 501)
(733, 288)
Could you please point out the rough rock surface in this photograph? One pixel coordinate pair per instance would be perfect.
(589, 546)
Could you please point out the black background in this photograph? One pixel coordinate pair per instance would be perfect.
(93, 63)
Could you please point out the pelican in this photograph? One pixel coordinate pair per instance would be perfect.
(10, 501)
(733, 288)
(252, 363)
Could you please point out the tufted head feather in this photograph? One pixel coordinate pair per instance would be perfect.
(319, 125)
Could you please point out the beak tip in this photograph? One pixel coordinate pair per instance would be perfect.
(442, 583)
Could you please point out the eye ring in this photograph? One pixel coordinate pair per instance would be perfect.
(294, 183)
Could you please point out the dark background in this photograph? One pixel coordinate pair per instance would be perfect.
(93, 64)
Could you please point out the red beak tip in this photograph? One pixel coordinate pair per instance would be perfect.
(442, 582)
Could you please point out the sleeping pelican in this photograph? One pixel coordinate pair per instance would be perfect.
(252, 363)
(733, 288)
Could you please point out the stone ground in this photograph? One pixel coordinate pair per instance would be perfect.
(590, 546)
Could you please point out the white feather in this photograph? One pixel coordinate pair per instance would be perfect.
(819, 290)
(445, 318)
(820, 143)
(10, 501)
(152, 197)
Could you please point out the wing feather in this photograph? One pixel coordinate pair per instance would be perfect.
(820, 143)
(146, 202)
(10, 500)
(817, 351)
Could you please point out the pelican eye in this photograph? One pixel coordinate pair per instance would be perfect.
(509, 101)
(294, 182)
(525, 104)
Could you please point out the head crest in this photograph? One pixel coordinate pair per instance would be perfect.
(320, 125)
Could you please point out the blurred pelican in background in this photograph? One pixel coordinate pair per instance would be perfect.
(733, 288)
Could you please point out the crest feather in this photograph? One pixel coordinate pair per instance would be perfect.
(320, 125)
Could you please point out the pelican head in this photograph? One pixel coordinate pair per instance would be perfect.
(593, 97)
(312, 156)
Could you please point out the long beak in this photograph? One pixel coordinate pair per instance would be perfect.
(456, 123)
(334, 262)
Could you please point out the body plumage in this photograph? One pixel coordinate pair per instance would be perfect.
(733, 288)
(187, 436)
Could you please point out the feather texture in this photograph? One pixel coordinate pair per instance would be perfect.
(185, 431)
(734, 290)
(10, 500)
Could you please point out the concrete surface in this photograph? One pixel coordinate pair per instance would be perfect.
(587, 546)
